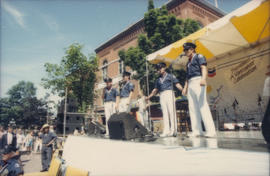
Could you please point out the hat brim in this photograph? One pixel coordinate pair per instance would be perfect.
(45, 126)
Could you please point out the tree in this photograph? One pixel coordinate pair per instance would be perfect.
(23, 106)
(161, 29)
(76, 72)
(151, 5)
(4, 109)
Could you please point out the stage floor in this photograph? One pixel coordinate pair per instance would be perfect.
(168, 156)
(221, 142)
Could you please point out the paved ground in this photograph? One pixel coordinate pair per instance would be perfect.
(32, 163)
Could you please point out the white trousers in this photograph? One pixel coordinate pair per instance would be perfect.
(167, 102)
(109, 108)
(124, 105)
(199, 109)
(143, 118)
(38, 145)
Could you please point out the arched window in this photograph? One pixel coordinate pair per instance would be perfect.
(105, 69)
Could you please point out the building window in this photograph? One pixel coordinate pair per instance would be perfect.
(105, 69)
(71, 109)
(121, 66)
(78, 118)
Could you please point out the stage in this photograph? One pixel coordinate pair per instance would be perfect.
(168, 156)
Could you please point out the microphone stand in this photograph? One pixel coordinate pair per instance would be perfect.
(170, 68)
(173, 96)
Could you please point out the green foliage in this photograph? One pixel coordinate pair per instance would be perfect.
(130, 56)
(75, 71)
(150, 5)
(151, 23)
(144, 44)
(190, 26)
(161, 30)
(23, 106)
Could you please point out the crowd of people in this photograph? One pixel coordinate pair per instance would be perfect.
(15, 141)
(24, 140)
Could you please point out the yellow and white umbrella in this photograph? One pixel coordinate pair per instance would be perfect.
(241, 28)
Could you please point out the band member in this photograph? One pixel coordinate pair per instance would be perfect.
(126, 93)
(195, 88)
(111, 101)
(48, 138)
(164, 85)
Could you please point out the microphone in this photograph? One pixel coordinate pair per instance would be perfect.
(175, 61)
(178, 63)
(181, 55)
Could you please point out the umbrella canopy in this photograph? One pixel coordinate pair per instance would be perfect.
(243, 27)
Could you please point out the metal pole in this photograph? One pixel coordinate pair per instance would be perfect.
(65, 114)
(147, 86)
(216, 3)
(47, 117)
(174, 100)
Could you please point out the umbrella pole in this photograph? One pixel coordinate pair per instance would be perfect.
(174, 99)
(147, 87)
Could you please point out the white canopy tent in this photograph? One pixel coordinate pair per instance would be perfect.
(243, 27)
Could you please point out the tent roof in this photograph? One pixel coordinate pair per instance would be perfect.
(240, 28)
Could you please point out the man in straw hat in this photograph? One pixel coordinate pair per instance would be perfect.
(48, 139)
(195, 89)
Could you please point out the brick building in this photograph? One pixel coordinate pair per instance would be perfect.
(109, 63)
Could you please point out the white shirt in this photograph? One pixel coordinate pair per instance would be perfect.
(9, 138)
(20, 138)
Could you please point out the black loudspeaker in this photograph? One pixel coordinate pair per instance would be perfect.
(124, 126)
(95, 128)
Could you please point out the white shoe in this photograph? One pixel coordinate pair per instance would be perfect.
(210, 135)
(173, 134)
(194, 135)
(164, 135)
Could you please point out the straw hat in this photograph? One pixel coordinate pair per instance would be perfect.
(45, 126)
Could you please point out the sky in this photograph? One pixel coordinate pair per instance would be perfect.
(34, 32)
